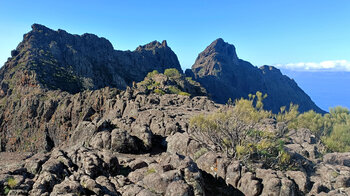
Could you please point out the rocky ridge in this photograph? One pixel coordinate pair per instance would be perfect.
(218, 67)
(57, 60)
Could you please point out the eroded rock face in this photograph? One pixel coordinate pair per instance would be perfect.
(87, 171)
(42, 86)
(337, 159)
(117, 140)
(77, 117)
(73, 63)
(225, 76)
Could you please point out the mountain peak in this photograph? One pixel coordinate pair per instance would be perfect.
(216, 58)
(39, 27)
(223, 48)
(164, 43)
(218, 41)
(225, 76)
(153, 45)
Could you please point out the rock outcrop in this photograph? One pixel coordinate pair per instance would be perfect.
(54, 80)
(311, 175)
(59, 60)
(225, 76)
(41, 121)
(87, 171)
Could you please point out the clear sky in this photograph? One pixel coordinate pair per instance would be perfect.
(263, 31)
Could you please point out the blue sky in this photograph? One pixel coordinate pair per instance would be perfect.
(264, 32)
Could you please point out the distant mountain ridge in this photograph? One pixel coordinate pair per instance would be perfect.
(73, 63)
(225, 76)
(56, 60)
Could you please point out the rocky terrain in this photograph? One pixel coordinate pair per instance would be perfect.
(218, 67)
(145, 149)
(81, 118)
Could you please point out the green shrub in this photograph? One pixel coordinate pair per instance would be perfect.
(227, 128)
(172, 73)
(12, 182)
(6, 190)
(233, 131)
(159, 92)
(310, 120)
(241, 151)
(174, 90)
(284, 159)
(172, 85)
(339, 139)
(152, 85)
(151, 171)
(184, 93)
(251, 110)
(333, 128)
(288, 115)
(152, 74)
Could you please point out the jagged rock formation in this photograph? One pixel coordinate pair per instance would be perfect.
(40, 121)
(73, 63)
(34, 112)
(225, 76)
(86, 171)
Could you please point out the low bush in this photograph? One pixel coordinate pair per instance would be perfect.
(233, 131)
(12, 182)
(152, 74)
(184, 94)
(333, 128)
(173, 90)
(338, 140)
(172, 73)
(159, 92)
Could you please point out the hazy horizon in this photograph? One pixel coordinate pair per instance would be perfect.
(326, 89)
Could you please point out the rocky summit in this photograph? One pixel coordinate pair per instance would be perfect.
(73, 63)
(80, 118)
(218, 68)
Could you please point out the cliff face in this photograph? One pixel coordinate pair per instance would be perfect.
(59, 60)
(225, 76)
(44, 85)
